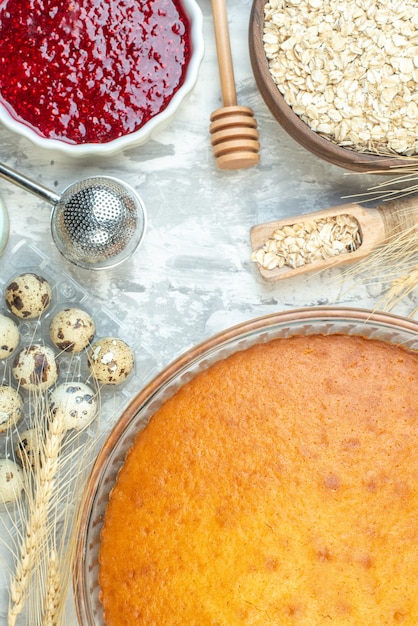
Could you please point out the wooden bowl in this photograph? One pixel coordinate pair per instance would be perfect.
(293, 124)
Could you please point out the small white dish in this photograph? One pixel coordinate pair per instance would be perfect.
(149, 129)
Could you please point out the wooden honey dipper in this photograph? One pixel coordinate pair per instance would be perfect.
(233, 129)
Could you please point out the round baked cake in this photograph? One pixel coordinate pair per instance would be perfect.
(277, 487)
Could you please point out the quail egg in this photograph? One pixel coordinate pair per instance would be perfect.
(35, 367)
(28, 295)
(72, 330)
(11, 481)
(28, 447)
(78, 403)
(11, 407)
(111, 360)
(9, 336)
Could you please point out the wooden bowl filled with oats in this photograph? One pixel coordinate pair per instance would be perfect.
(341, 77)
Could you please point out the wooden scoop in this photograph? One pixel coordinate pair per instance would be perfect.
(233, 129)
(376, 227)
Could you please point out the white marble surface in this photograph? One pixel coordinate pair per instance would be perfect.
(192, 276)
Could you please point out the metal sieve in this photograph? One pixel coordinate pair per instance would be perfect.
(96, 223)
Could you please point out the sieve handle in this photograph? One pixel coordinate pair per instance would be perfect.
(28, 185)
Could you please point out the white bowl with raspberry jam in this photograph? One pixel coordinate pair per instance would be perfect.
(87, 77)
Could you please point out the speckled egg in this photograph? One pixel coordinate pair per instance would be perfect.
(110, 360)
(35, 367)
(28, 447)
(72, 330)
(78, 403)
(12, 481)
(11, 407)
(9, 336)
(28, 295)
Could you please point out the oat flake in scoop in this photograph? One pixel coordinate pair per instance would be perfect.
(348, 69)
(87, 71)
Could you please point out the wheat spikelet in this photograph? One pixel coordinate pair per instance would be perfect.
(399, 289)
(51, 602)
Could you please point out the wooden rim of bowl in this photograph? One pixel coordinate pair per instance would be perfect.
(292, 123)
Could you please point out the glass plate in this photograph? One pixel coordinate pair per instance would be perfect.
(382, 326)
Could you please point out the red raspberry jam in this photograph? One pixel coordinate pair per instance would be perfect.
(89, 71)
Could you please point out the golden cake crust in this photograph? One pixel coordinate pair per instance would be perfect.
(277, 487)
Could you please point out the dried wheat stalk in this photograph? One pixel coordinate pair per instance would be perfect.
(74, 467)
(37, 523)
(45, 547)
